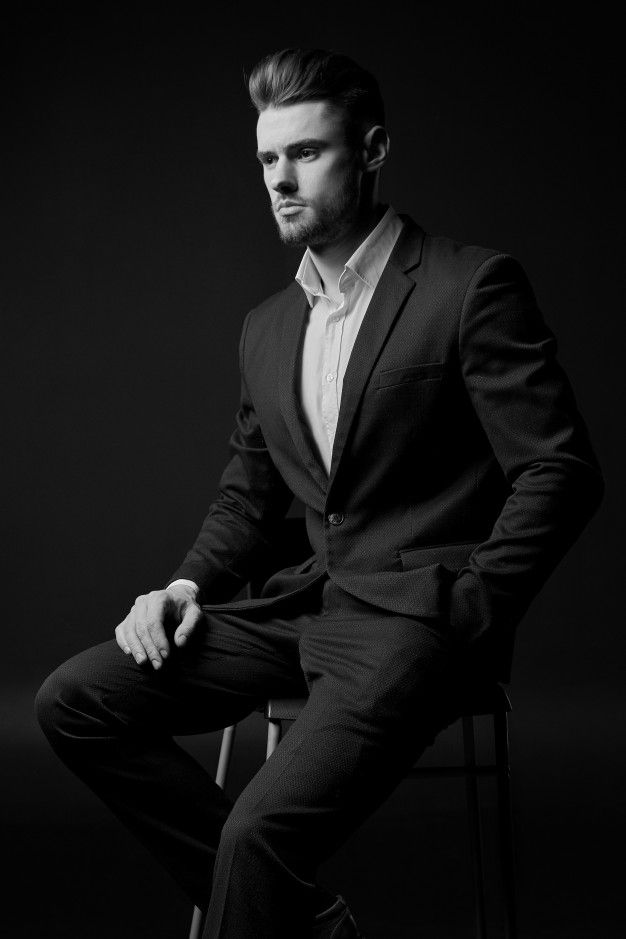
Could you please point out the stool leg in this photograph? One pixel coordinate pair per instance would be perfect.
(197, 923)
(223, 764)
(505, 816)
(226, 749)
(473, 811)
(274, 733)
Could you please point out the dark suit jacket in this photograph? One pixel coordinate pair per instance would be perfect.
(461, 471)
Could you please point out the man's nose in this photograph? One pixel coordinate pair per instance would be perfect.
(283, 177)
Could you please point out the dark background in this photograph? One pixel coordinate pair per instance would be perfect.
(136, 235)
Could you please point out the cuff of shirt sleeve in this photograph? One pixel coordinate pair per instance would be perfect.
(186, 583)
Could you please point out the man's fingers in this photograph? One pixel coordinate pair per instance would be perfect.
(193, 615)
(159, 603)
(120, 637)
(142, 634)
(136, 648)
(136, 615)
(155, 641)
(150, 611)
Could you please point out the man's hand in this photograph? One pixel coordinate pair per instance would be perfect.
(142, 633)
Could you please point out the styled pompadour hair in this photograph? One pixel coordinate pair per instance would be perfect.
(294, 75)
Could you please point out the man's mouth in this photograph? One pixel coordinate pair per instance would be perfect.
(289, 207)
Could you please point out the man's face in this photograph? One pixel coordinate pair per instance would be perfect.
(311, 172)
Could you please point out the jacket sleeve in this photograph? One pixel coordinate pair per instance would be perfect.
(240, 524)
(527, 409)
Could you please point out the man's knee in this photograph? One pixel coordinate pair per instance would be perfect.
(244, 830)
(54, 701)
(49, 700)
(65, 704)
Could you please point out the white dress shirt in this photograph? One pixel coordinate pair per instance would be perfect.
(332, 329)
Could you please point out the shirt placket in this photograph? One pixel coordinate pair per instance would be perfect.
(332, 360)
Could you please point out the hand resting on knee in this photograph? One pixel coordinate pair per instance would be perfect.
(142, 632)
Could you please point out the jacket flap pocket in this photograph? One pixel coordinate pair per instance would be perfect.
(450, 555)
(409, 373)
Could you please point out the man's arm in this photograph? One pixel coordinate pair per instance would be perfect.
(242, 522)
(240, 526)
(527, 408)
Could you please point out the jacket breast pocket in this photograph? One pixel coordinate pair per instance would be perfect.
(407, 374)
(453, 556)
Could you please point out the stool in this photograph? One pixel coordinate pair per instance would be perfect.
(484, 701)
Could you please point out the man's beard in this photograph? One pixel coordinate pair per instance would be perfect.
(332, 219)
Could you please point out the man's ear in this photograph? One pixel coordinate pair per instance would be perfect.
(375, 148)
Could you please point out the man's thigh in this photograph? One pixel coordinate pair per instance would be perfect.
(231, 665)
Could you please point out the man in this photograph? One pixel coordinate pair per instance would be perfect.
(405, 389)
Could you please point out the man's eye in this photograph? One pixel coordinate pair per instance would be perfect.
(306, 153)
(268, 160)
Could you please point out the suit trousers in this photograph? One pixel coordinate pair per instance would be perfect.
(380, 687)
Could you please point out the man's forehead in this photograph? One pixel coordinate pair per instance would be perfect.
(278, 127)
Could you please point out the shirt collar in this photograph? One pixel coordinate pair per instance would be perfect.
(367, 262)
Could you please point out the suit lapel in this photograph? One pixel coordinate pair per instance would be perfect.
(391, 292)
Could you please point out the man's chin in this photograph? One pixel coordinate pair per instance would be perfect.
(293, 233)
(317, 231)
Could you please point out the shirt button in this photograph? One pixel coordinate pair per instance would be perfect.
(330, 376)
(336, 518)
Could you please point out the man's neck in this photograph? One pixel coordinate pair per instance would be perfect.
(330, 260)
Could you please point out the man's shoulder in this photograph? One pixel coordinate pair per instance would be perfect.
(442, 258)
(273, 306)
(448, 267)
(456, 258)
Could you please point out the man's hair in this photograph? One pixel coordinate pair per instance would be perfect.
(294, 75)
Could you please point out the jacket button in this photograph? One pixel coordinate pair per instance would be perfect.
(336, 518)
